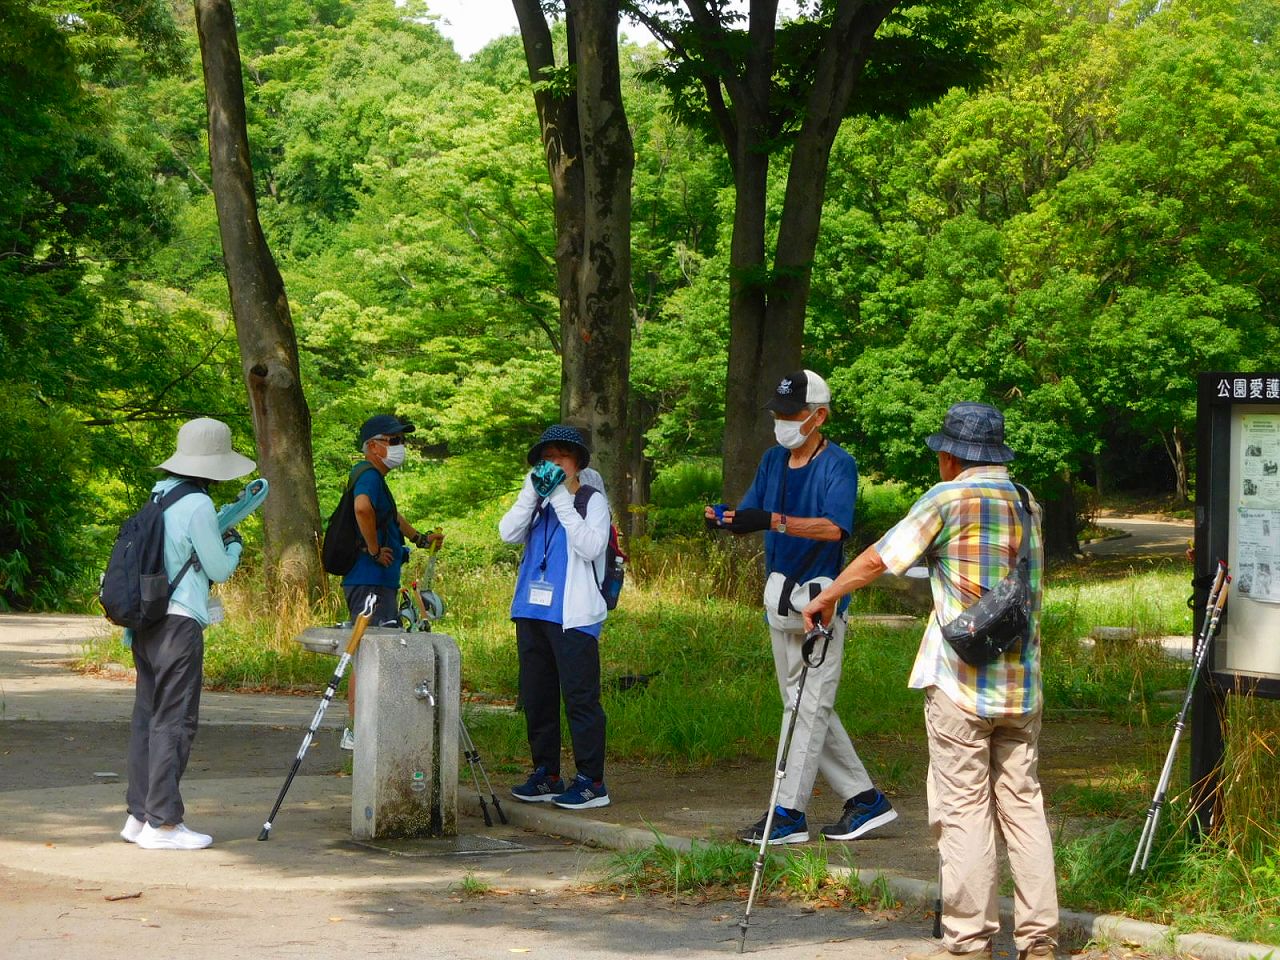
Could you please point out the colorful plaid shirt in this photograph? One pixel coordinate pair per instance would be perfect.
(968, 533)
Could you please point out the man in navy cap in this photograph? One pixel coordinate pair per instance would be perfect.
(382, 527)
(803, 498)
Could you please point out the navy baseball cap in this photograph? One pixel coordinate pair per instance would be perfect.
(383, 425)
(972, 431)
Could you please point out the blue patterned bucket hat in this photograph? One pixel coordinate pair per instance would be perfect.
(565, 436)
(972, 431)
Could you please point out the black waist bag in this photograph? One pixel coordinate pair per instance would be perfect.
(1001, 618)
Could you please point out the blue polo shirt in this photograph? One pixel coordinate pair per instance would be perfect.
(367, 572)
(827, 486)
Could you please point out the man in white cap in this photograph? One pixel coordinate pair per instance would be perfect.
(169, 654)
(803, 498)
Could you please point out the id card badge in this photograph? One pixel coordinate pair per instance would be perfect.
(541, 593)
(216, 612)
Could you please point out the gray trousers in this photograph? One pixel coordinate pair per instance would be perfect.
(169, 657)
(819, 742)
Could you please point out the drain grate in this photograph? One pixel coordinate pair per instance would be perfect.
(465, 845)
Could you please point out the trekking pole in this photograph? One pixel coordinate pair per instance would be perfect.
(357, 631)
(474, 761)
(757, 869)
(937, 904)
(1212, 614)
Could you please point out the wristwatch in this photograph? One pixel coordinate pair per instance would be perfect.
(782, 523)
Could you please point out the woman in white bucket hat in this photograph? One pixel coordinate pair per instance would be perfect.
(169, 654)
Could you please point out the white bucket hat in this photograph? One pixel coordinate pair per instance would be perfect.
(204, 450)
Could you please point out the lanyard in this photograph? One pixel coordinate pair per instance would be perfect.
(786, 469)
(546, 534)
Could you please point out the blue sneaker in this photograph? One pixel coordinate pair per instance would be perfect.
(583, 794)
(789, 826)
(541, 787)
(860, 818)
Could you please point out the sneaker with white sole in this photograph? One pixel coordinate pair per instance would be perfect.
(541, 787)
(132, 827)
(173, 838)
(583, 794)
(789, 826)
(861, 817)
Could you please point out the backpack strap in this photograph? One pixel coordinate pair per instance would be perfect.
(582, 498)
(358, 471)
(1022, 562)
(165, 501)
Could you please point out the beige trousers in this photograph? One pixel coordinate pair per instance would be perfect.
(983, 772)
(819, 743)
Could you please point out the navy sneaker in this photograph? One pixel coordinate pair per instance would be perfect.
(541, 787)
(860, 818)
(583, 794)
(789, 826)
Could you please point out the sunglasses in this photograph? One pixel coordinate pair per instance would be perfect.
(391, 441)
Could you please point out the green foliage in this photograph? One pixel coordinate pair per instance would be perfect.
(43, 561)
(678, 496)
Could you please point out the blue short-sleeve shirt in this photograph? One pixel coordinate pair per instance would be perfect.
(367, 571)
(827, 486)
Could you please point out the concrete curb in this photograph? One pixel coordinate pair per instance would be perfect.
(1077, 928)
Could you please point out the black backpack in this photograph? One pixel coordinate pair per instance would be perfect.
(135, 589)
(614, 559)
(342, 539)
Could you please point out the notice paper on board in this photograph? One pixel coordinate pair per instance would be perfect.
(1257, 573)
(1260, 460)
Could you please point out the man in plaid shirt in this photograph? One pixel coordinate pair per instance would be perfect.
(983, 723)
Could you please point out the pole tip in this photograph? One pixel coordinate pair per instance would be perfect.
(266, 832)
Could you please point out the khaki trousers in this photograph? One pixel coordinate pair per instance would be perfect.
(983, 772)
(819, 743)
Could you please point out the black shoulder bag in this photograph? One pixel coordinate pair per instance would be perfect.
(1001, 618)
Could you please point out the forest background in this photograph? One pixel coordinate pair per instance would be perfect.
(1074, 239)
(1073, 236)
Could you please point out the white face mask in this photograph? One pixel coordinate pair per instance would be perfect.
(789, 432)
(394, 457)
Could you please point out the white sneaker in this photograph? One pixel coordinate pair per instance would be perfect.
(348, 741)
(132, 827)
(177, 838)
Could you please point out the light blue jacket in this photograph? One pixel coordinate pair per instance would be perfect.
(192, 524)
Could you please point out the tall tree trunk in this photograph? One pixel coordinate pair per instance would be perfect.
(264, 327)
(562, 146)
(1058, 520)
(589, 159)
(1176, 448)
(753, 347)
(598, 396)
(767, 308)
(746, 423)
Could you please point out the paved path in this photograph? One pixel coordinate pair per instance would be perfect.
(1145, 538)
(72, 889)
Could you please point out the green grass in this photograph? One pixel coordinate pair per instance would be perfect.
(718, 871)
(1228, 882)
